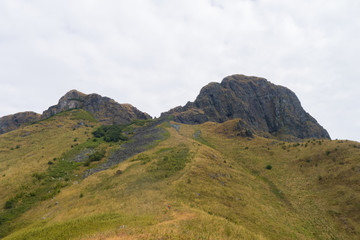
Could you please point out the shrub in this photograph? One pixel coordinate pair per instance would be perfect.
(111, 133)
(39, 176)
(9, 204)
(268, 167)
(97, 156)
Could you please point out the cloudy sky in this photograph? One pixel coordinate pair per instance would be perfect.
(157, 54)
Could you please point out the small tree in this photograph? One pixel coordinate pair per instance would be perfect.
(9, 204)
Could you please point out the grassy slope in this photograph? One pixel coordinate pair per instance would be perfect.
(216, 184)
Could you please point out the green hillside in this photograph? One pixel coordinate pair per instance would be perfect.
(194, 182)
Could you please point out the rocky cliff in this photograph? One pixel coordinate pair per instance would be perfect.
(260, 105)
(12, 122)
(104, 109)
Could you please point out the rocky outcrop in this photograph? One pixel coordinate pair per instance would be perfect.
(261, 106)
(14, 121)
(104, 109)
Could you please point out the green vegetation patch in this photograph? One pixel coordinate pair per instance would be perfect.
(112, 133)
(170, 161)
(74, 114)
(44, 186)
(199, 138)
(80, 114)
(95, 157)
(141, 122)
(143, 158)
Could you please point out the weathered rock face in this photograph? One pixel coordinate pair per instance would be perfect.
(261, 106)
(12, 122)
(104, 109)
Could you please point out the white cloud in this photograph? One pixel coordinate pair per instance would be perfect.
(158, 54)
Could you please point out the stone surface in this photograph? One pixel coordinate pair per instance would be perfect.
(104, 109)
(261, 106)
(14, 121)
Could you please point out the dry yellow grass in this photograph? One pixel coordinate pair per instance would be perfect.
(224, 191)
(29, 149)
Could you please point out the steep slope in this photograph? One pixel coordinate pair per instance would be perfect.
(14, 121)
(261, 106)
(104, 109)
(68, 176)
(203, 181)
(28, 152)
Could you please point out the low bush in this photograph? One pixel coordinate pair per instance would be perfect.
(9, 204)
(97, 156)
(112, 133)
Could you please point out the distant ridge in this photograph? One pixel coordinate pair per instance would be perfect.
(262, 107)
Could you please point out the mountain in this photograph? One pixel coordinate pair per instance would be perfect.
(69, 176)
(104, 109)
(261, 106)
(14, 121)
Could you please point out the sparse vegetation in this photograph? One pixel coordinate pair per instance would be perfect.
(217, 192)
(97, 156)
(170, 161)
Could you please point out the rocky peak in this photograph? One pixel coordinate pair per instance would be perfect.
(71, 99)
(13, 121)
(104, 109)
(261, 106)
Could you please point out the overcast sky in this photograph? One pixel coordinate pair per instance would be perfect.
(157, 54)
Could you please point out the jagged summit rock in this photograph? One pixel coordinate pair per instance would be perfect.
(13, 121)
(104, 109)
(260, 105)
